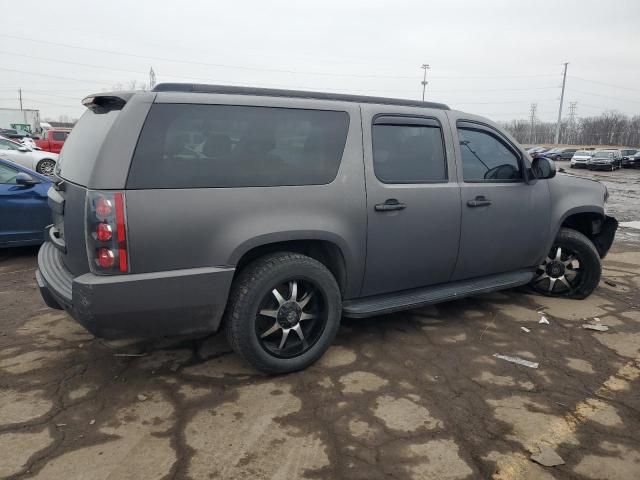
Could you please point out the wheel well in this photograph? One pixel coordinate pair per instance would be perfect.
(327, 253)
(587, 223)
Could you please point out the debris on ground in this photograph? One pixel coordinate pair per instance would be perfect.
(544, 320)
(59, 425)
(525, 329)
(610, 283)
(518, 360)
(93, 420)
(129, 354)
(547, 457)
(596, 319)
(142, 397)
(598, 328)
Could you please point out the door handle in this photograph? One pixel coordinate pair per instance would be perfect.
(479, 201)
(389, 205)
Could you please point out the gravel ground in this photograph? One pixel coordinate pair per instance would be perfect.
(416, 395)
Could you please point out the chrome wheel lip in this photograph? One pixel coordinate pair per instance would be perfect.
(296, 319)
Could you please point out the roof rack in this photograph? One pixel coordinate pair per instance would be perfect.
(274, 92)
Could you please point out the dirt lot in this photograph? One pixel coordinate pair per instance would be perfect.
(411, 395)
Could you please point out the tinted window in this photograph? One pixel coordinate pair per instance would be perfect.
(408, 154)
(191, 146)
(59, 136)
(485, 158)
(7, 174)
(83, 144)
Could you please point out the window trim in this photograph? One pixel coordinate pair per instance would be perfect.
(407, 120)
(487, 129)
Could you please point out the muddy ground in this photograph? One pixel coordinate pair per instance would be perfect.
(411, 395)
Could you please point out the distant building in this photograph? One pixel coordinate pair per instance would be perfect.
(24, 120)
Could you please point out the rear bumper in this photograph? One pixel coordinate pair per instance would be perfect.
(154, 304)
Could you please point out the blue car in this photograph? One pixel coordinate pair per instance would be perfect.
(24, 211)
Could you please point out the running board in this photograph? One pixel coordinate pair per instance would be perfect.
(418, 297)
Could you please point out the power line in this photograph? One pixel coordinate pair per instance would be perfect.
(604, 83)
(245, 67)
(605, 96)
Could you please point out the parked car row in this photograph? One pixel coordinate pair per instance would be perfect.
(51, 140)
(592, 158)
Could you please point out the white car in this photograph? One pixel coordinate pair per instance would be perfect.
(41, 162)
(581, 158)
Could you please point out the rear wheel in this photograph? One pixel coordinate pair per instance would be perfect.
(572, 268)
(283, 313)
(46, 167)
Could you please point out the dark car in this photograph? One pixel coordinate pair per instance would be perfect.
(608, 159)
(23, 205)
(628, 159)
(274, 213)
(562, 154)
(635, 160)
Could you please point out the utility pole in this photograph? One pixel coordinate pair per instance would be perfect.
(571, 136)
(532, 110)
(20, 97)
(564, 81)
(152, 79)
(425, 67)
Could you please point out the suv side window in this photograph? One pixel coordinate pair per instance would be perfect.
(202, 146)
(486, 158)
(408, 150)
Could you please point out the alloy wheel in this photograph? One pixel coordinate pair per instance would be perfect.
(46, 167)
(560, 273)
(291, 318)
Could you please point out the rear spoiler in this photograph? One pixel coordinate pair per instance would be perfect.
(106, 102)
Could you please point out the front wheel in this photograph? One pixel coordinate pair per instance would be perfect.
(283, 313)
(46, 167)
(572, 269)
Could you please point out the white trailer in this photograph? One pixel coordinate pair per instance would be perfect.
(28, 120)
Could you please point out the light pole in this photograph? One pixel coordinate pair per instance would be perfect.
(425, 67)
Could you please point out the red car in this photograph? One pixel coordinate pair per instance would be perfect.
(52, 140)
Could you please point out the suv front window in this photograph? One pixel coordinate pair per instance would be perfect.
(485, 158)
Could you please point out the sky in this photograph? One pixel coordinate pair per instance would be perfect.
(492, 57)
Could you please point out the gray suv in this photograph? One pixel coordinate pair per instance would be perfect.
(272, 214)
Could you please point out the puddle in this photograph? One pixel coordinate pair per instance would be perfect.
(635, 224)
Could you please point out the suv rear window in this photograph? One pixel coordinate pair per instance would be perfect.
(83, 145)
(200, 146)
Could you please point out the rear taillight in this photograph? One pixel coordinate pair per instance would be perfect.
(106, 232)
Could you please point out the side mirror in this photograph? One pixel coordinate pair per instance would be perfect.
(26, 180)
(23, 149)
(543, 168)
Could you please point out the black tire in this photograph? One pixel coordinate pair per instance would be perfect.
(587, 275)
(253, 287)
(46, 166)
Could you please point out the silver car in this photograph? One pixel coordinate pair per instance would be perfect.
(41, 162)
